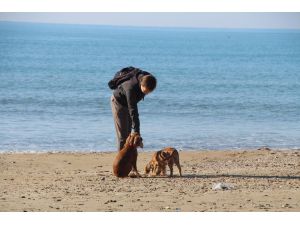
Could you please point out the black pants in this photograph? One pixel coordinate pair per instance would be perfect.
(122, 122)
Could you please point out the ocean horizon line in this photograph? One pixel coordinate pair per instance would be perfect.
(240, 29)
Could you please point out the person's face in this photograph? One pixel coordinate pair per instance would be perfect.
(145, 90)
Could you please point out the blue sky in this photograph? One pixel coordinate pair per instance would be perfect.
(201, 20)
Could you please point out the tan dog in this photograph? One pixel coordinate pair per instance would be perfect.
(126, 158)
(160, 160)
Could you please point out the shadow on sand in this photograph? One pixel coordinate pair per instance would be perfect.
(230, 176)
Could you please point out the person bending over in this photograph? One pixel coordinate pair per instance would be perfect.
(130, 87)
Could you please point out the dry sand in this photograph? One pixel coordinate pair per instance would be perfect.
(262, 180)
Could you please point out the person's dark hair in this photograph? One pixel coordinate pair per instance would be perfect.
(149, 81)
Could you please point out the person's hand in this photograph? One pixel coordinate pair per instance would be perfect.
(136, 139)
(136, 134)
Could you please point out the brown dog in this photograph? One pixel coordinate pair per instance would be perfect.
(160, 160)
(126, 158)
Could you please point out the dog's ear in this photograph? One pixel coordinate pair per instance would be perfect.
(128, 140)
(131, 140)
(147, 168)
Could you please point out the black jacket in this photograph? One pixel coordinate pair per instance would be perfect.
(129, 94)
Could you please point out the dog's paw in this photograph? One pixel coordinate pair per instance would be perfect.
(132, 175)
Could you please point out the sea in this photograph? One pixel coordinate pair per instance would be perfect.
(217, 89)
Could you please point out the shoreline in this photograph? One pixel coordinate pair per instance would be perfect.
(139, 150)
(82, 181)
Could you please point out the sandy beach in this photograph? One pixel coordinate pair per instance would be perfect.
(259, 181)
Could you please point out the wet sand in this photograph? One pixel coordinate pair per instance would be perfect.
(262, 181)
